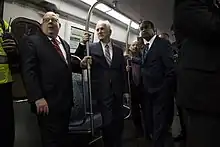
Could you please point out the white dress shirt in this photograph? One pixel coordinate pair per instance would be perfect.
(150, 42)
(110, 48)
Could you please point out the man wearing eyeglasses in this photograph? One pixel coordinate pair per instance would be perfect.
(46, 69)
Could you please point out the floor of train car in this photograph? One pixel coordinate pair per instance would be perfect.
(26, 123)
(130, 141)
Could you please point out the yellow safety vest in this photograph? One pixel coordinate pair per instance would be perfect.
(5, 73)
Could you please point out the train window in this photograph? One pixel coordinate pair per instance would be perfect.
(76, 36)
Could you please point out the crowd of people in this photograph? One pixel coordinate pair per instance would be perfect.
(161, 73)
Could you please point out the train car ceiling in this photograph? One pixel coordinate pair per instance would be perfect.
(158, 11)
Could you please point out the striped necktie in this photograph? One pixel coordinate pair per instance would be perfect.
(144, 53)
(107, 55)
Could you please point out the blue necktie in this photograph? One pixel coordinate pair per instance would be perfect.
(144, 53)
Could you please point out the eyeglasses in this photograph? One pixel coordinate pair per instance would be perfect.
(53, 20)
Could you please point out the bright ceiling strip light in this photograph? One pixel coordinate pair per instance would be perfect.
(103, 8)
(135, 25)
(112, 13)
(119, 16)
(89, 2)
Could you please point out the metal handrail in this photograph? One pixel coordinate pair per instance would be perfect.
(128, 72)
(89, 66)
(127, 107)
(20, 101)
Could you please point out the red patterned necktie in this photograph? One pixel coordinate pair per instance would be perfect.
(56, 46)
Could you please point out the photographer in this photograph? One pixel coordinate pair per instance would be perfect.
(198, 22)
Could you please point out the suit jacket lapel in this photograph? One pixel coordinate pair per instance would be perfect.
(66, 47)
(98, 52)
(51, 47)
(151, 49)
(114, 54)
(96, 49)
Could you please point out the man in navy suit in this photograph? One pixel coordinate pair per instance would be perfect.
(108, 82)
(157, 72)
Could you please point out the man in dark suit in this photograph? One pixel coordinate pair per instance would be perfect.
(108, 82)
(46, 69)
(198, 22)
(157, 71)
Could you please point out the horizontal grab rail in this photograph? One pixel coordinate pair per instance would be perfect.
(20, 101)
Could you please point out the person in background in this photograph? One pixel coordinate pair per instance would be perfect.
(8, 49)
(136, 86)
(176, 45)
(108, 81)
(165, 36)
(47, 73)
(198, 78)
(157, 72)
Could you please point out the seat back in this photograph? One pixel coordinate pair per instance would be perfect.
(78, 113)
(21, 27)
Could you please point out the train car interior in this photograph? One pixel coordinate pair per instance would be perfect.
(85, 121)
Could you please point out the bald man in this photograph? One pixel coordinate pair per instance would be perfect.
(46, 69)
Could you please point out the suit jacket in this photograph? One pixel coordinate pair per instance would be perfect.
(134, 60)
(158, 67)
(199, 62)
(106, 81)
(45, 73)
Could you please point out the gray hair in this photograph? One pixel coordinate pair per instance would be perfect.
(105, 22)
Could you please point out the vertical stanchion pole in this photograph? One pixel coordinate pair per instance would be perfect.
(127, 35)
(128, 64)
(89, 68)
